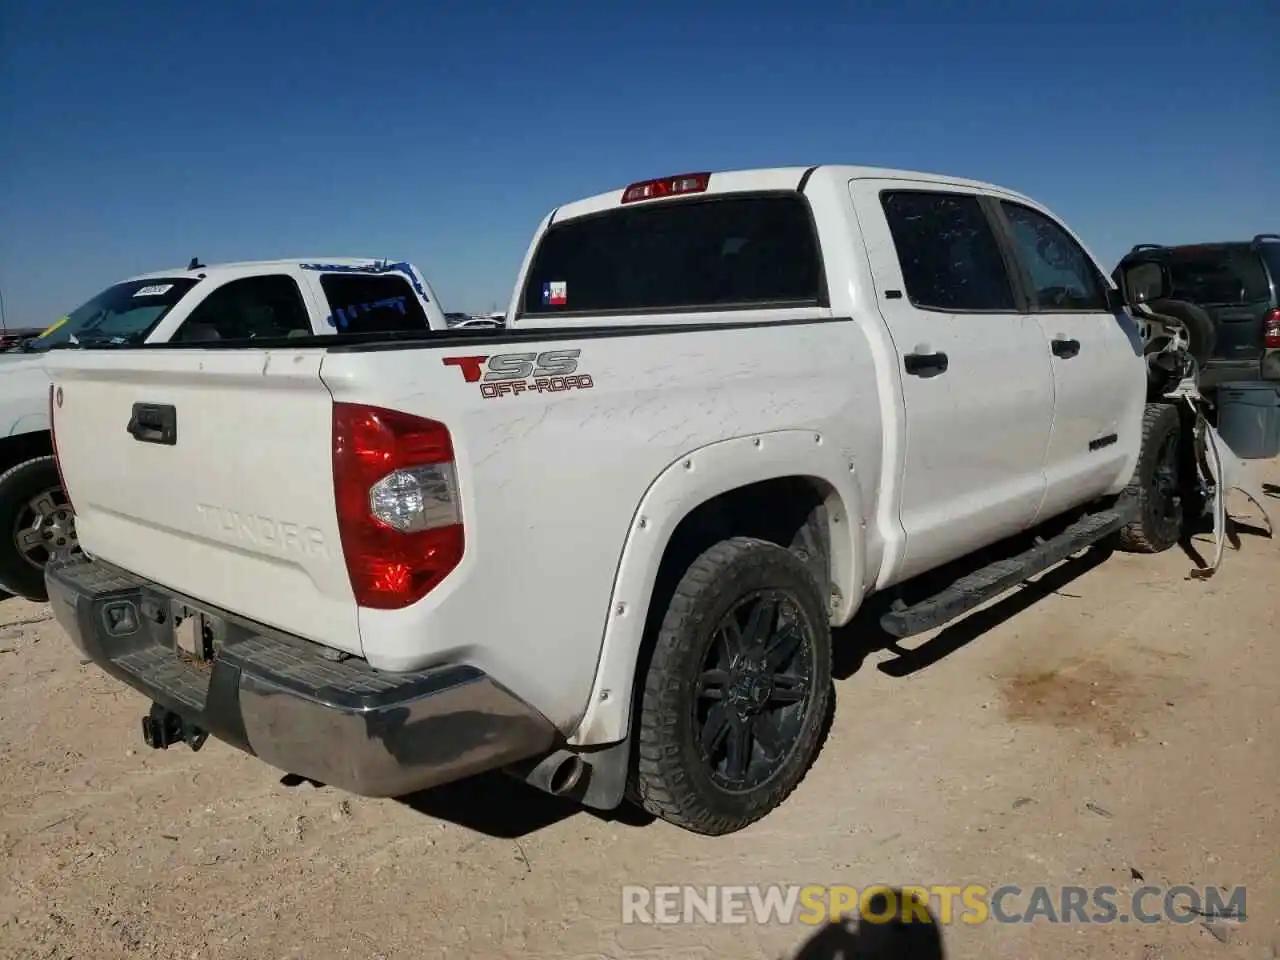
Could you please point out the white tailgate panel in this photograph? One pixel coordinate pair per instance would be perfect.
(239, 513)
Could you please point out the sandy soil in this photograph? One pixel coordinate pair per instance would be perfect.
(1114, 720)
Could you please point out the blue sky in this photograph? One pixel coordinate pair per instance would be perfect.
(135, 135)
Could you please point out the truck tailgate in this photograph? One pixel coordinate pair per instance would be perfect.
(235, 508)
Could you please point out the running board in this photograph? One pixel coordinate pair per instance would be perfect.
(975, 589)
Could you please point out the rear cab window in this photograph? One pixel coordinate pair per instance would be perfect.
(372, 303)
(717, 252)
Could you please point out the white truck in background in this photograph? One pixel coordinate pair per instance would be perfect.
(605, 549)
(235, 301)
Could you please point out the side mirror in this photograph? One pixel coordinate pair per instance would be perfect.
(1144, 282)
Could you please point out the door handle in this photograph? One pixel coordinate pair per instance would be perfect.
(154, 423)
(1065, 348)
(925, 364)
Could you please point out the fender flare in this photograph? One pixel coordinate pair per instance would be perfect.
(682, 487)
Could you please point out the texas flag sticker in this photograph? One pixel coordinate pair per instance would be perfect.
(555, 293)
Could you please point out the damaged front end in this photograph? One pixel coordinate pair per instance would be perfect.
(1177, 338)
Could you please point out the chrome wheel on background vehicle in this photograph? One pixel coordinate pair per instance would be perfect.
(40, 525)
(46, 528)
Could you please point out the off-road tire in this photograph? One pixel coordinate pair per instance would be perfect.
(1151, 532)
(17, 486)
(669, 779)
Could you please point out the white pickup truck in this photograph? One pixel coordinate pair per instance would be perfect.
(264, 298)
(605, 548)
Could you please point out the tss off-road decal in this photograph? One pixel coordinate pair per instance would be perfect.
(512, 374)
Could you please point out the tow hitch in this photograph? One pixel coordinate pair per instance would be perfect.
(162, 728)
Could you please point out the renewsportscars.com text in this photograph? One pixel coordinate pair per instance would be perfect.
(970, 904)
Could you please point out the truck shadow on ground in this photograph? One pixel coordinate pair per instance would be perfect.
(916, 938)
(864, 636)
(499, 806)
(1203, 528)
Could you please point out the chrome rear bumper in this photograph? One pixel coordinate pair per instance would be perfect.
(279, 698)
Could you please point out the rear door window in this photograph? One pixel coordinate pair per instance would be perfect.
(251, 308)
(372, 303)
(1218, 275)
(736, 251)
(948, 251)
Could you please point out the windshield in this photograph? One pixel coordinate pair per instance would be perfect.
(124, 313)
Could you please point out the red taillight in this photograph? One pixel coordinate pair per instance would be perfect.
(666, 187)
(53, 437)
(397, 497)
(1271, 330)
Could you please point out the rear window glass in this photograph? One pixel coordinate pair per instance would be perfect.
(1271, 254)
(1218, 275)
(736, 251)
(372, 303)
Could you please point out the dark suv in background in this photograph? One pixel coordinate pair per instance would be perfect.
(1238, 285)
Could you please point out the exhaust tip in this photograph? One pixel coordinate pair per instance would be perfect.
(559, 773)
(567, 774)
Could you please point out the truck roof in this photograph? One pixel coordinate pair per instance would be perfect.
(259, 266)
(782, 178)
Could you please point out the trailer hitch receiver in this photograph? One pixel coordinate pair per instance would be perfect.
(162, 728)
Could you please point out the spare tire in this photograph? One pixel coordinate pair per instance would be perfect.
(1200, 329)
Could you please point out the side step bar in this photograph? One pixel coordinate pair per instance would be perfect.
(978, 587)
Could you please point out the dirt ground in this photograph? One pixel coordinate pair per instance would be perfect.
(1114, 721)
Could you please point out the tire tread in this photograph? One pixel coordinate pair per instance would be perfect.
(661, 781)
(1136, 537)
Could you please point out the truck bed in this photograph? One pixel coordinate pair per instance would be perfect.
(240, 512)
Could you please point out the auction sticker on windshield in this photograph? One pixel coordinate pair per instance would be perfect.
(53, 326)
(155, 290)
